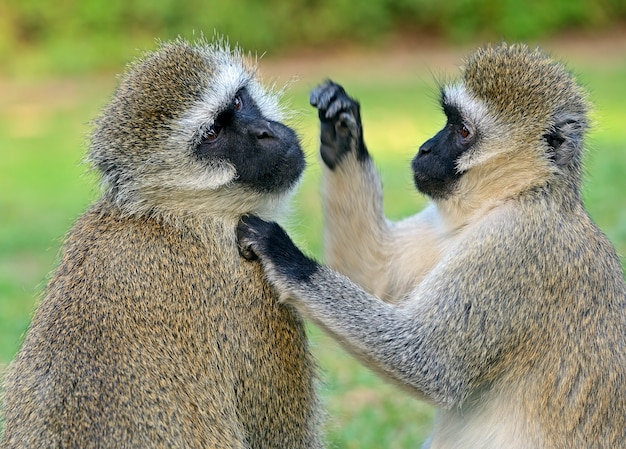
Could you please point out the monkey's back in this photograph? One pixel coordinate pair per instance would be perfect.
(564, 305)
(152, 335)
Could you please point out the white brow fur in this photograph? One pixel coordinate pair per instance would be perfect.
(477, 113)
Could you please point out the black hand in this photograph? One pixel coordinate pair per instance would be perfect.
(270, 243)
(340, 121)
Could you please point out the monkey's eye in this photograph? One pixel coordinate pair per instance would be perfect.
(211, 134)
(237, 103)
(465, 132)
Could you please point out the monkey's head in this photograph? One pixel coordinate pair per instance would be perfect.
(514, 113)
(190, 129)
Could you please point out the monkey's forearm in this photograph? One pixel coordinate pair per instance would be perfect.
(356, 233)
(356, 230)
(362, 244)
(393, 342)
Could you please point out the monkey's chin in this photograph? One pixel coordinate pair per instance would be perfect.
(434, 188)
(295, 163)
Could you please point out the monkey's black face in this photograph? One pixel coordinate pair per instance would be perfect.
(434, 167)
(266, 154)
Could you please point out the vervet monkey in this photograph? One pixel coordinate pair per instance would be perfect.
(501, 303)
(153, 332)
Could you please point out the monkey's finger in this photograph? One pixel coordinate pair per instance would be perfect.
(346, 120)
(246, 251)
(328, 95)
(318, 97)
(326, 98)
(343, 105)
(244, 239)
(314, 97)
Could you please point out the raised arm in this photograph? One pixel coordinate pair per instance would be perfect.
(359, 241)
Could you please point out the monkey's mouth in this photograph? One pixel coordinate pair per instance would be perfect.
(281, 175)
(420, 177)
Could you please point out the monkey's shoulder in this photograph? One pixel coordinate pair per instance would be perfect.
(529, 240)
(112, 252)
(117, 270)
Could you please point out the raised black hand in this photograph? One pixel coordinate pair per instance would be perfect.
(340, 122)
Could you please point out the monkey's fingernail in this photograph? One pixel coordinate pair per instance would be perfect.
(246, 251)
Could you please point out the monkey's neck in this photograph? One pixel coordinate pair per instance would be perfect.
(484, 188)
(204, 226)
(226, 204)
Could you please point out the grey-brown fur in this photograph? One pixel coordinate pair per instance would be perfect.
(501, 303)
(152, 332)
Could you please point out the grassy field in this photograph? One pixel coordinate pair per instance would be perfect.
(44, 187)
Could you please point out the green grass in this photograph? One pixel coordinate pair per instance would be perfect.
(44, 187)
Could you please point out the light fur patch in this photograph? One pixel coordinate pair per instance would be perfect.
(472, 108)
(494, 421)
(201, 176)
(228, 80)
(267, 101)
(227, 203)
(477, 113)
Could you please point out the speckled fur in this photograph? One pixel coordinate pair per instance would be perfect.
(503, 304)
(152, 332)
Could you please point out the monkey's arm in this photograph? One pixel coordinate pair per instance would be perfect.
(433, 345)
(358, 240)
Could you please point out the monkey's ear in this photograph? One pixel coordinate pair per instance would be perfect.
(565, 138)
(554, 139)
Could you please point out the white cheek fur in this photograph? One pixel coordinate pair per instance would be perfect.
(476, 112)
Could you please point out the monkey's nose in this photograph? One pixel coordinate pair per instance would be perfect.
(262, 129)
(424, 149)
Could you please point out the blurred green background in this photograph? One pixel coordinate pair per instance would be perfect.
(81, 35)
(58, 62)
